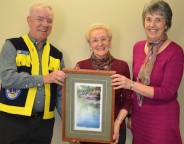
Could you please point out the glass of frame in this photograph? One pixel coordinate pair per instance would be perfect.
(88, 106)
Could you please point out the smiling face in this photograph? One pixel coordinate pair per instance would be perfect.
(99, 42)
(155, 26)
(40, 23)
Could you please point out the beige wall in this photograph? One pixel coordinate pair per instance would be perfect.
(72, 17)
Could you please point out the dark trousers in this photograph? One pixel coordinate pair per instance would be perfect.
(15, 129)
(122, 137)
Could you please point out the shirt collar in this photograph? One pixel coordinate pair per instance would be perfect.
(34, 40)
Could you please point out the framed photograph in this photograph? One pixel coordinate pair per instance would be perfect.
(88, 106)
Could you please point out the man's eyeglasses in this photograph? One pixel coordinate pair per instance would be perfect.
(97, 40)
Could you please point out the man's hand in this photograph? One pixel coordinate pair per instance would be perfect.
(56, 76)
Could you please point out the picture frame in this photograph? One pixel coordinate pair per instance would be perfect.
(88, 106)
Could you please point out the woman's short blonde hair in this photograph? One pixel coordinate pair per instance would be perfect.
(98, 26)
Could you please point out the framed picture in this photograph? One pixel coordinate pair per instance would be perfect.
(88, 106)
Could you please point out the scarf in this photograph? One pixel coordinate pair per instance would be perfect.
(147, 66)
(102, 64)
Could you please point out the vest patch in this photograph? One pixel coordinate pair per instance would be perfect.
(12, 94)
(23, 52)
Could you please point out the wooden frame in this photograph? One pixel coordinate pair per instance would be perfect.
(88, 106)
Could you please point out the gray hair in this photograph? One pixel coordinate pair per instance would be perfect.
(98, 26)
(161, 7)
(33, 7)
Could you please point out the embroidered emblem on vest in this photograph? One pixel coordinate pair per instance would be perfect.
(12, 94)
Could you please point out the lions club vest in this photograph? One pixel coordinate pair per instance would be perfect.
(20, 101)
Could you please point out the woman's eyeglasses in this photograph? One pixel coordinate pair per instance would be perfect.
(97, 40)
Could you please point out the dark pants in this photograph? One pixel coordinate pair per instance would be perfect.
(122, 137)
(15, 129)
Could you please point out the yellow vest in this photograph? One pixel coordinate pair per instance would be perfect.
(49, 63)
